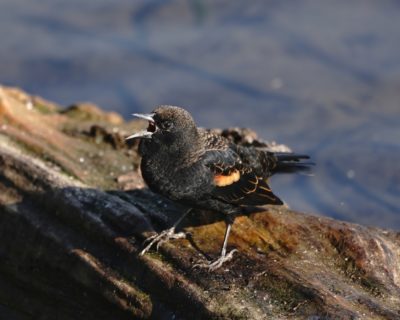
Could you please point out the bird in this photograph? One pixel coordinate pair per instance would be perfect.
(200, 169)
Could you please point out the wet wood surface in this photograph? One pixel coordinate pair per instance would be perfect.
(74, 213)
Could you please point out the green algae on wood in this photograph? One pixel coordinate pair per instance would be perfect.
(74, 212)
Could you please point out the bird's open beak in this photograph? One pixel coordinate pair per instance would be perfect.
(150, 129)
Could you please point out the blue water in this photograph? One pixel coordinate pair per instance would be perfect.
(320, 76)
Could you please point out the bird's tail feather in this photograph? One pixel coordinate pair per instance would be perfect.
(291, 162)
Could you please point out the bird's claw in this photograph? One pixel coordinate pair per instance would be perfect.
(161, 238)
(214, 265)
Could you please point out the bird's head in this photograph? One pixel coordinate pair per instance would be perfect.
(169, 126)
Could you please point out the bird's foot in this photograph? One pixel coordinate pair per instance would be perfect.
(214, 265)
(161, 238)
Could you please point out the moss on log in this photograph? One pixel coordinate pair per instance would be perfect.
(74, 213)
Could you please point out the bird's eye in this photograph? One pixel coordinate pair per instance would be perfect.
(167, 125)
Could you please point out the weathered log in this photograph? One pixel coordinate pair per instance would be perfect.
(74, 213)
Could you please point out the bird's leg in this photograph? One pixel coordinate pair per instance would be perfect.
(214, 265)
(165, 235)
(223, 257)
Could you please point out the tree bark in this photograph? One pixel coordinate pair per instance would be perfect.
(74, 213)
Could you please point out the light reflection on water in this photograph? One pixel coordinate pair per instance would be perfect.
(322, 77)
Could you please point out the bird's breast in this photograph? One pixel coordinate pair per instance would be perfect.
(176, 180)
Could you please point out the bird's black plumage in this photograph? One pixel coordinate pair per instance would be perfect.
(200, 169)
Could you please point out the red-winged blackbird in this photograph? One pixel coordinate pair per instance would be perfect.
(200, 169)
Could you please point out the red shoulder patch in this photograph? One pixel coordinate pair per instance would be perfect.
(226, 180)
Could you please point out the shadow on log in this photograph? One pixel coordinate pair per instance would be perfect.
(74, 213)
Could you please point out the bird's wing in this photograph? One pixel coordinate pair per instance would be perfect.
(235, 182)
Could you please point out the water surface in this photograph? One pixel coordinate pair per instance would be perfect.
(320, 76)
